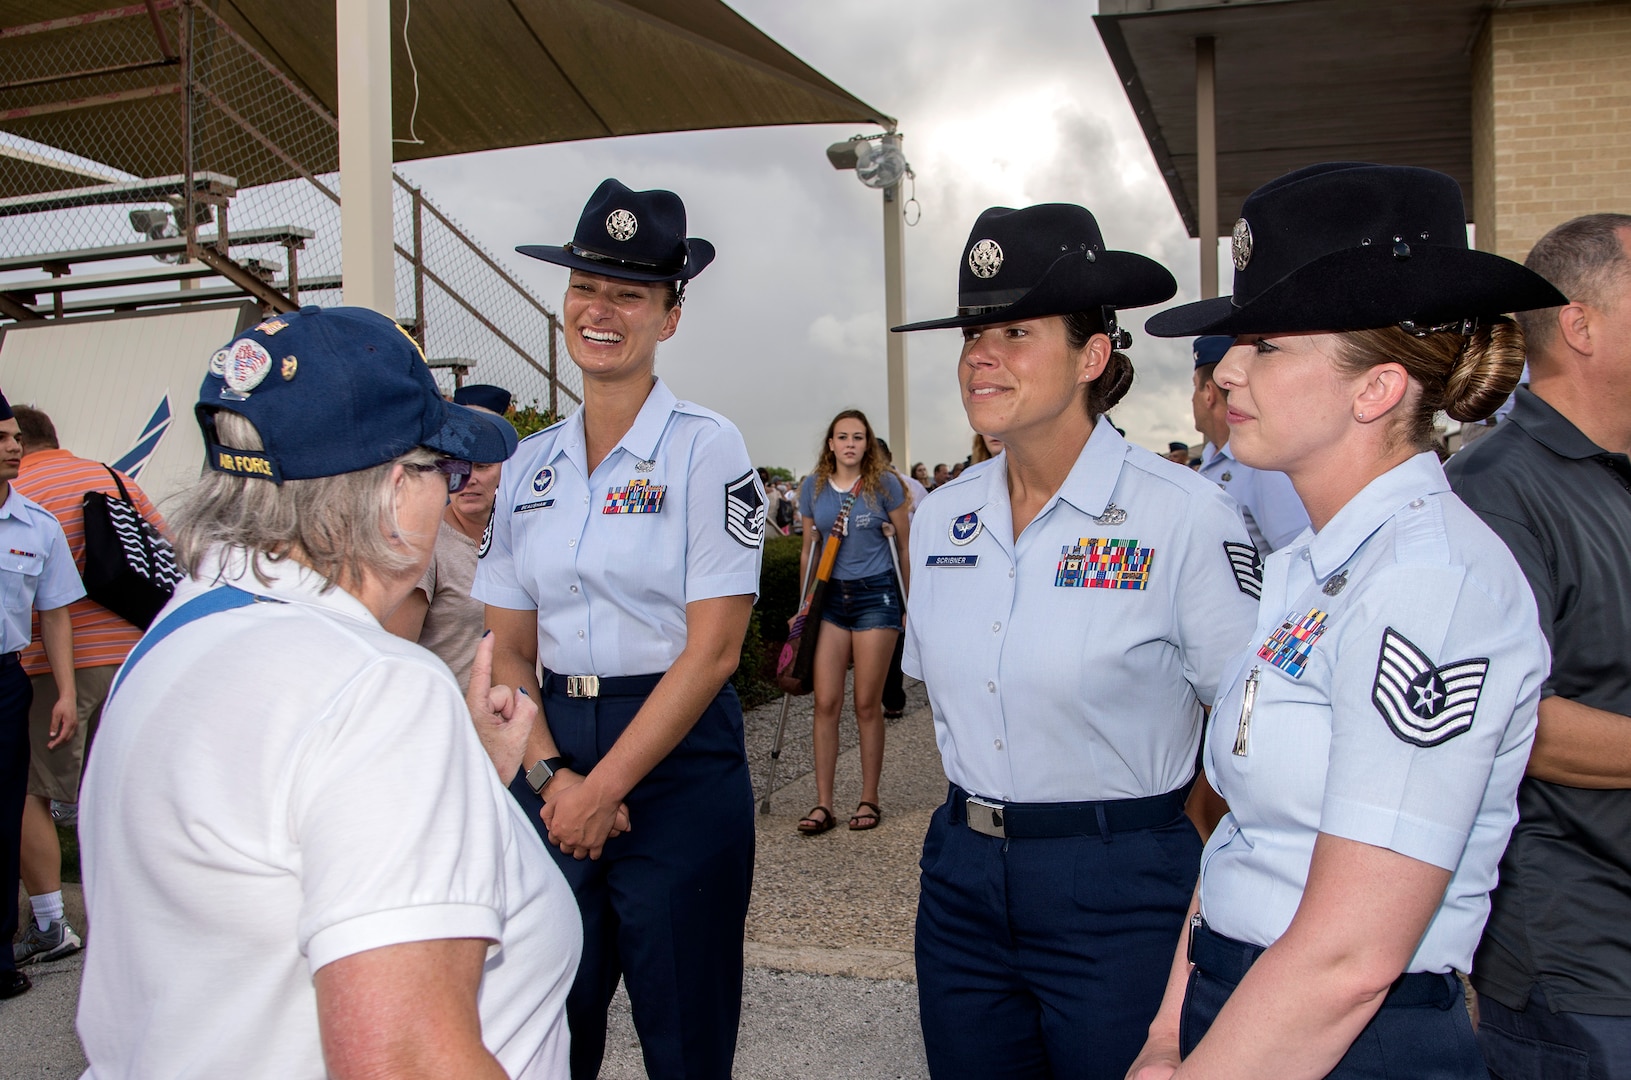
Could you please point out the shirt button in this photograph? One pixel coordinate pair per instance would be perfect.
(1306, 556)
(995, 627)
(991, 687)
(580, 634)
(571, 543)
(1417, 504)
(997, 743)
(1010, 571)
(574, 588)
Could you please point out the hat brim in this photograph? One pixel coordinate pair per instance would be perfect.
(1365, 288)
(699, 253)
(1118, 279)
(472, 435)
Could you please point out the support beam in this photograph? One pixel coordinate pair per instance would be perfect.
(894, 303)
(1206, 152)
(367, 259)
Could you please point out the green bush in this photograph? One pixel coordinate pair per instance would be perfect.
(779, 585)
(529, 418)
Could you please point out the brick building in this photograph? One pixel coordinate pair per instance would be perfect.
(1527, 103)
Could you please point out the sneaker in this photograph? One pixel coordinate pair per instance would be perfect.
(52, 943)
(65, 814)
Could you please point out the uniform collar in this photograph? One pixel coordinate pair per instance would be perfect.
(1550, 428)
(1213, 453)
(1092, 479)
(13, 506)
(640, 440)
(1368, 511)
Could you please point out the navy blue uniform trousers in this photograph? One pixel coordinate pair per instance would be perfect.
(16, 695)
(1046, 958)
(1422, 1031)
(1520, 1044)
(665, 905)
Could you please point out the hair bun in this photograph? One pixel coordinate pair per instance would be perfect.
(1111, 385)
(1486, 371)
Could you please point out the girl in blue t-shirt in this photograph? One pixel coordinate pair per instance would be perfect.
(865, 606)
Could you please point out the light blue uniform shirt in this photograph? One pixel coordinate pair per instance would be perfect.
(674, 514)
(1071, 664)
(1399, 662)
(1274, 514)
(36, 568)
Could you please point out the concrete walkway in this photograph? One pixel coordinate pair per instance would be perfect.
(829, 989)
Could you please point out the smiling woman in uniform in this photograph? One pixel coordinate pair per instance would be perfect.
(623, 557)
(1074, 601)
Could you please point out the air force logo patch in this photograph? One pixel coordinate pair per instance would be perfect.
(543, 480)
(965, 529)
(745, 510)
(1423, 704)
(1247, 566)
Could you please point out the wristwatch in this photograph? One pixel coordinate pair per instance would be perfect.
(540, 774)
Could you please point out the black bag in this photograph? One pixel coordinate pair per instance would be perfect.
(129, 568)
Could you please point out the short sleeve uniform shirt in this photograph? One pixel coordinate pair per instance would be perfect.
(36, 568)
(1072, 662)
(1393, 674)
(674, 514)
(1273, 513)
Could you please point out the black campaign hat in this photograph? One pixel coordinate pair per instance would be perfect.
(633, 235)
(1353, 246)
(1048, 259)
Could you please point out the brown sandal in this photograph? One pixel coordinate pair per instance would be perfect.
(872, 819)
(810, 825)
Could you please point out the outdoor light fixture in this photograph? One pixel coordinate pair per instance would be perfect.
(153, 224)
(880, 163)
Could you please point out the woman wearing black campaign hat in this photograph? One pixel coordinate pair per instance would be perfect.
(1073, 604)
(1371, 736)
(623, 555)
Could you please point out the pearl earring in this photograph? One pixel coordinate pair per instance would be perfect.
(1361, 416)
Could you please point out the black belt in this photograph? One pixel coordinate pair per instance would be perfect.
(1043, 821)
(10, 658)
(1228, 960)
(599, 686)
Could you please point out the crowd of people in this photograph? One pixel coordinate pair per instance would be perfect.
(1306, 756)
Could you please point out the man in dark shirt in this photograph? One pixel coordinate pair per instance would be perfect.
(1554, 969)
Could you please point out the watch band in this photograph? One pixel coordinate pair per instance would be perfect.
(541, 773)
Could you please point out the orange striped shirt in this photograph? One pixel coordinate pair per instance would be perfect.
(58, 481)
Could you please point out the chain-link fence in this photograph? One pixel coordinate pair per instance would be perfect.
(149, 155)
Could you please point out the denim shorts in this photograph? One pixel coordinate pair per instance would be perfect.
(869, 603)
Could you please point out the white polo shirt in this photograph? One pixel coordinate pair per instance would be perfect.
(1397, 666)
(279, 786)
(675, 513)
(1070, 663)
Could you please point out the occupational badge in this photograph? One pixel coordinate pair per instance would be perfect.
(985, 258)
(1247, 567)
(1338, 581)
(1113, 515)
(622, 225)
(745, 508)
(1424, 704)
(1095, 563)
(1240, 244)
(543, 480)
(645, 466)
(1289, 647)
(965, 528)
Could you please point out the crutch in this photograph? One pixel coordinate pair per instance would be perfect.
(787, 699)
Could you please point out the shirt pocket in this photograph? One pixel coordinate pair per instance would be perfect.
(20, 576)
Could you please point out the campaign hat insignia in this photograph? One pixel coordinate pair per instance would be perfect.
(965, 528)
(632, 235)
(1049, 259)
(1353, 246)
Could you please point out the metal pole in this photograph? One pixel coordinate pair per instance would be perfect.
(775, 755)
(1206, 154)
(367, 260)
(554, 372)
(419, 270)
(894, 293)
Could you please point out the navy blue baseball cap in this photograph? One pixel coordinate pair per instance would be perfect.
(1210, 349)
(484, 396)
(633, 235)
(333, 391)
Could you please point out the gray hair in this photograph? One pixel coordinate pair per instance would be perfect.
(340, 526)
(1585, 258)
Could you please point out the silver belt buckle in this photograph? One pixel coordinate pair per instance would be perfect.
(583, 686)
(984, 817)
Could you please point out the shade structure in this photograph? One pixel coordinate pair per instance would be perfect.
(491, 74)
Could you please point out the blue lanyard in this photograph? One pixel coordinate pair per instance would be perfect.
(224, 598)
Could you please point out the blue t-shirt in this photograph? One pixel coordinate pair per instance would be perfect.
(865, 550)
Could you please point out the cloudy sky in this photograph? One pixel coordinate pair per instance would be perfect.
(787, 328)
